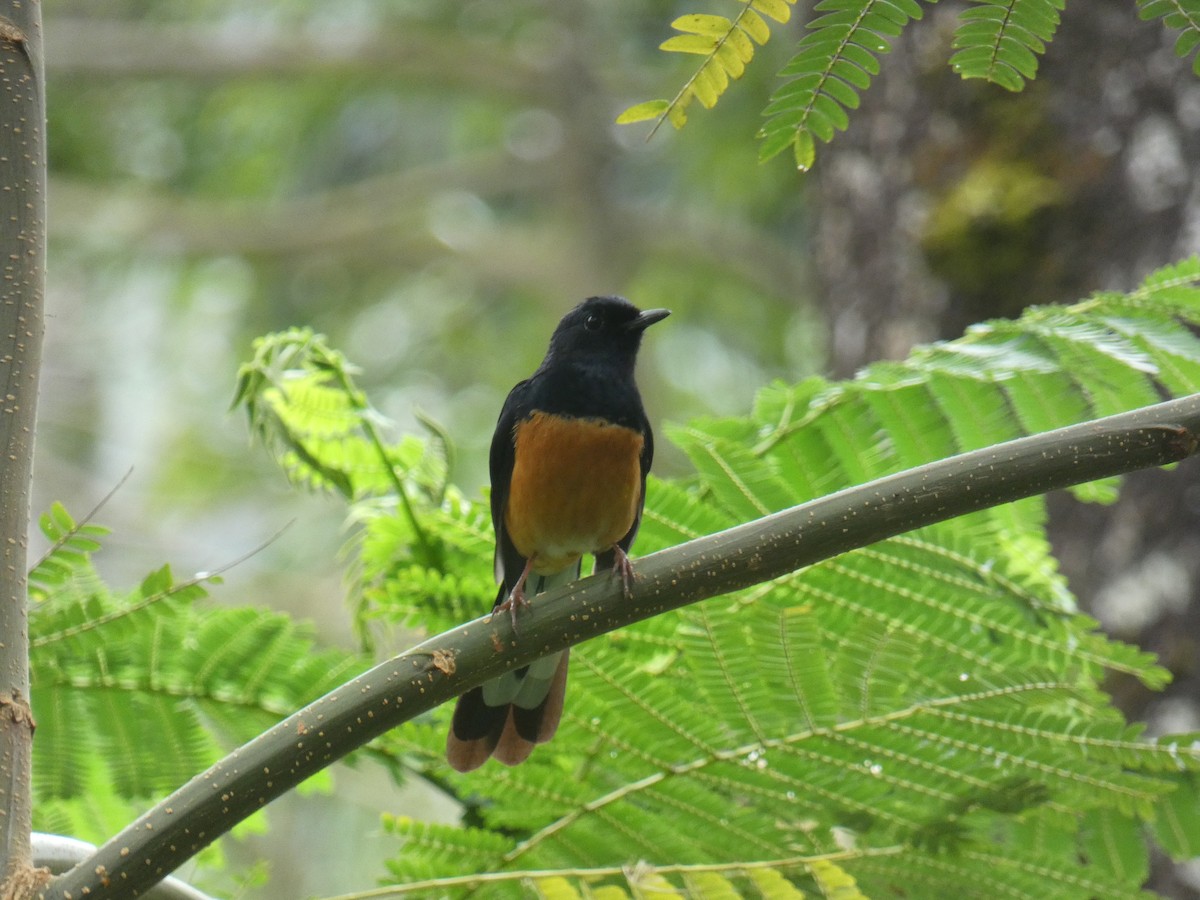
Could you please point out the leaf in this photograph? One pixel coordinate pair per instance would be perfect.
(1179, 15)
(463, 850)
(727, 45)
(1114, 843)
(69, 556)
(716, 26)
(779, 10)
(835, 60)
(702, 44)
(1177, 823)
(773, 886)
(999, 40)
(160, 686)
(303, 404)
(752, 23)
(835, 883)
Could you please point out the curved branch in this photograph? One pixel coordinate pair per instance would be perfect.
(445, 666)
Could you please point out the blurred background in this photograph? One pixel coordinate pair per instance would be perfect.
(432, 184)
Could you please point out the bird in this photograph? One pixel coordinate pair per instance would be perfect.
(568, 466)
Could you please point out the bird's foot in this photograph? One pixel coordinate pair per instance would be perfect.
(516, 601)
(623, 568)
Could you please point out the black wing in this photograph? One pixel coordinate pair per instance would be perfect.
(508, 562)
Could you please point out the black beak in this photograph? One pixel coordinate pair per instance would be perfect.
(646, 319)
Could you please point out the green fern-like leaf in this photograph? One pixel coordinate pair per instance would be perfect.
(303, 403)
(71, 546)
(996, 40)
(999, 40)
(290, 393)
(160, 685)
(836, 60)
(727, 45)
(1179, 15)
(464, 850)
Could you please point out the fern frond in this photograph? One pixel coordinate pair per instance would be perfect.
(159, 685)
(397, 585)
(436, 847)
(1179, 15)
(71, 546)
(996, 40)
(999, 40)
(290, 395)
(304, 405)
(836, 60)
(727, 45)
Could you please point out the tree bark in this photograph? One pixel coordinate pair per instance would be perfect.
(23, 243)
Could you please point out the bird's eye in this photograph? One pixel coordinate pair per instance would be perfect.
(593, 322)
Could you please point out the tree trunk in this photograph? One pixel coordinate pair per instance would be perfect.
(22, 237)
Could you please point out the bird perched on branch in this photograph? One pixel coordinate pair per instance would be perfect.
(568, 466)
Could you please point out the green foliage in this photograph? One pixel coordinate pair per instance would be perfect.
(727, 47)
(415, 535)
(71, 544)
(997, 40)
(303, 404)
(137, 692)
(1178, 15)
(921, 717)
(835, 60)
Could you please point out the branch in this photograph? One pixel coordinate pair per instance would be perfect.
(445, 666)
(509, 876)
(345, 219)
(119, 48)
(23, 251)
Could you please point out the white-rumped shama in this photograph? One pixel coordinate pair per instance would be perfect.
(568, 466)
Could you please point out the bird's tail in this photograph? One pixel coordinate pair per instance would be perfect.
(507, 716)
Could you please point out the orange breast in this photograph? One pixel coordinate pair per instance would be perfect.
(576, 484)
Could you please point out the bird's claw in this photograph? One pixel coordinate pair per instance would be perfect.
(623, 568)
(515, 602)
